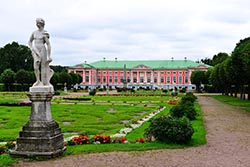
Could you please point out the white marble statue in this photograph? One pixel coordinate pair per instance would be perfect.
(41, 54)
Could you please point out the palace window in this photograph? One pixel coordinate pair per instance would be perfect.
(180, 79)
(116, 79)
(155, 79)
(174, 79)
(186, 79)
(148, 79)
(168, 79)
(87, 78)
(134, 79)
(162, 79)
(141, 79)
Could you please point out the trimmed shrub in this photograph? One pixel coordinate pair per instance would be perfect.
(181, 110)
(92, 92)
(188, 99)
(168, 129)
(177, 111)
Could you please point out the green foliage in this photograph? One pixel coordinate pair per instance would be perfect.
(181, 110)
(6, 160)
(198, 77)
(64, 77)
(217, 59)
(15, 57)
(189, 97)
(23, 77)
(169, 129)
(92, 92)
(8, 78)
(241, 61)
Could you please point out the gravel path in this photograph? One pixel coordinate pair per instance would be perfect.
(228, 136)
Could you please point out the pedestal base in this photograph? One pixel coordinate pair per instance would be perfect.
(41, 135)
(39, 139)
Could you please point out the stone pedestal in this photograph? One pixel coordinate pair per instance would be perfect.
(40, 136)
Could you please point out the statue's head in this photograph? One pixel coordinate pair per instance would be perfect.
(40, 22)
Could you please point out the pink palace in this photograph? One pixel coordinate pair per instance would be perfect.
(152, 74)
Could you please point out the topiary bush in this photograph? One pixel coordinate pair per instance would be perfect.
(177, 111)
(169, 129)
(184, 109)
(92, 92)
(185, 99)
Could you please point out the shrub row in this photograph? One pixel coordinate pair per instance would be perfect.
(76, 98)
(16, 104)
(175, 127)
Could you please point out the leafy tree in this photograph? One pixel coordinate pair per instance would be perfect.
(197, 78)
(207, 61)
(79, 78)
(219, 58)
(64, 77)
(241, 65)
(8, 78)
(15, 57)
(55, 79)
(58, 68)
(22, 76)
(74, 78)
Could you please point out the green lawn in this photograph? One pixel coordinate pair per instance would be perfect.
(102, 115)
(242, 104)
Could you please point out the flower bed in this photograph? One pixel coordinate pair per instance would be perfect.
(98, 139)
(174, 102)
(8, 146)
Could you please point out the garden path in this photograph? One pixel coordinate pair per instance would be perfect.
(228, 145)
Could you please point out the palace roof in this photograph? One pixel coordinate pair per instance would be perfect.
(154, 64)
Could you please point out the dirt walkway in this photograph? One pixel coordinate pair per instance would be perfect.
(228, 136)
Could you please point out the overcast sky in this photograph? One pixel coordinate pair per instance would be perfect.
(88, 30)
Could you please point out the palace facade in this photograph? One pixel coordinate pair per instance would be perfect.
(152, 74)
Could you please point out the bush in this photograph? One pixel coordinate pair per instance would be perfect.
(165, 91)
(191, 94)
(186, 109)
(57, 93)
(92, 92)
(168, 129)
(183, 90)
(186, 99)
(177, 111)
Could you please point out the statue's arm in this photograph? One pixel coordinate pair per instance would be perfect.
(46, 38)
(31, 40)
(30, 43)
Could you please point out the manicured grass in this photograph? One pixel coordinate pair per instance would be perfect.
(11, 121)
(6, 160)
(100, 118)
(198, 138)
(97, 119)
(242, 104)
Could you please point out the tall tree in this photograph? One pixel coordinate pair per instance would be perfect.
(22, 76)
(219, 58)
(241, 65)
(15, 57)
(197, 78)
(8, 78)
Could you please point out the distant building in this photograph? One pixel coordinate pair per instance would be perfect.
(151, 74)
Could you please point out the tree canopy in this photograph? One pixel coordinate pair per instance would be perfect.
(15, 57)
